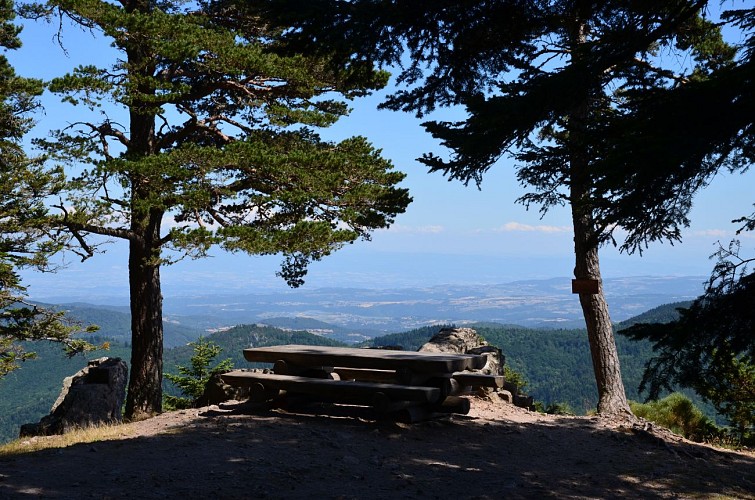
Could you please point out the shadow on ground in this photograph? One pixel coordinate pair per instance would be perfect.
(234, 454)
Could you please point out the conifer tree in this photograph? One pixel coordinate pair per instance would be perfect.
(540, 81)
(23, 186)
(192, 380)
(711, 347)
(200, 135)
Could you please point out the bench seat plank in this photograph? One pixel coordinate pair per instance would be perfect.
(332, 388)
(367, 375)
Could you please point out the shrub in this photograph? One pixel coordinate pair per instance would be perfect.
(559, 409)
(515, 378)
(677, 412)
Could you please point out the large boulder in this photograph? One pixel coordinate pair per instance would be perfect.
(466, 341)
(93, 396)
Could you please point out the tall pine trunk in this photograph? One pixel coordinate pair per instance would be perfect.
(605, 359)
(144, 397)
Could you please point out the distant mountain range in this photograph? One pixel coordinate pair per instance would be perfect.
(352, 315)
(370, 312)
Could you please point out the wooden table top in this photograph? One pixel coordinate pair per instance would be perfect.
(379, 359)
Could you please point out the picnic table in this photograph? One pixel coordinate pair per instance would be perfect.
(409, 385)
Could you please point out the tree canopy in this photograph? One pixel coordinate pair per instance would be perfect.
(199, 134)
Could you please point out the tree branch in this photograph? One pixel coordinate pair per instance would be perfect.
(78, 229)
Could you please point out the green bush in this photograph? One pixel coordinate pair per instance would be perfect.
(677, 412)
(515, 378)
(559, 409)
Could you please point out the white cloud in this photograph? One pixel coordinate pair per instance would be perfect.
(713, 233)
(528, 228)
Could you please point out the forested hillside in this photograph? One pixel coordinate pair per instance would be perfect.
(661, 314)
(311, 325)
(115, 324)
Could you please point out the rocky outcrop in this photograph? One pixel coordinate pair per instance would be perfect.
(466, 341)
(93, 396)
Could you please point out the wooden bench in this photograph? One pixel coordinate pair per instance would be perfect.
(338, 389)
(417, 362)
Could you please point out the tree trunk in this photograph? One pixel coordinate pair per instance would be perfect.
(605, 359)
(144, 397)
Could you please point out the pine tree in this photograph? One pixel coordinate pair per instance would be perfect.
(711, 347)
(543, 83)
(191, 380)
(23, 187)
(216, 148)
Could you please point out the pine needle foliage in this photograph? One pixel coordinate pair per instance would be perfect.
(191, 380)
(24, 184)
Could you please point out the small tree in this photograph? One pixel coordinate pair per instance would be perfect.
(23, 187)
(193, 379)
(514, 378)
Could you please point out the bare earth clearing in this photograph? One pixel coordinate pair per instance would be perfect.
(497, 451)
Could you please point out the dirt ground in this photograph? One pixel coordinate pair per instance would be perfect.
(497, 451)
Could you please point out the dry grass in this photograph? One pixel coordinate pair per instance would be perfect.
(78, 436)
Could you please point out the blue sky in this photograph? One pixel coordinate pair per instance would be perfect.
(450, 233)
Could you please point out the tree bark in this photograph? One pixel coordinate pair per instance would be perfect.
(144, 397)
(605, 359)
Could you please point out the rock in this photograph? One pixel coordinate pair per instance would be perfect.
(93, 396)
(523, 401)
(506, 396)
(466, 341)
